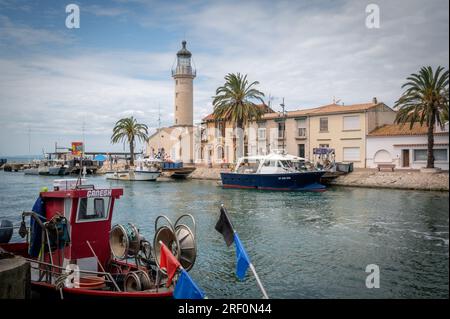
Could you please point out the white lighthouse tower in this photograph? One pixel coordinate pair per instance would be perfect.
(184, 75)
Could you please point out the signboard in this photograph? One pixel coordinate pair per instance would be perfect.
(77, 148)
(322, 151)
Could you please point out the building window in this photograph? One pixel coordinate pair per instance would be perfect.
(351, 154)
(281, 129)
(176, 94)
(422, 155)
(176, 107)
(324, 124)
(301, 150)
(220, 154)
(301, 127)
(261, 133)
(220, 129)
(351, 123)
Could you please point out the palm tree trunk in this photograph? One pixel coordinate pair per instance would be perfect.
(132, 152)
(240, 140)
(430, 156)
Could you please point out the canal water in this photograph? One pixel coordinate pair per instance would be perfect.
(303, 245)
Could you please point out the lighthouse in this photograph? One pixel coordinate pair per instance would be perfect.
(183, 75)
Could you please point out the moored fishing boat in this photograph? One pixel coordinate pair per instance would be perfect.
(144, 170)
(275, 171)
(74, 252)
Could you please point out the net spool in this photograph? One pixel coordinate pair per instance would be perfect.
(166, 235)
(180, 239)
(137, 281)
(124, 241)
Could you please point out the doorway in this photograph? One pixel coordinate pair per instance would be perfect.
(405, 158)
(301, 150)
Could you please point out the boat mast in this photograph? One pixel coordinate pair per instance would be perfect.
(159, 127)
(284, 115)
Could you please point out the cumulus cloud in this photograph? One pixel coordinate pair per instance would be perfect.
(305, 51)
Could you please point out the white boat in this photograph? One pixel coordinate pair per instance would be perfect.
(32, 168)
(31, 171)
(134, 175)
(144, 170)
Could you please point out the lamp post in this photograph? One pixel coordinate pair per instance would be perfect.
(283, 115)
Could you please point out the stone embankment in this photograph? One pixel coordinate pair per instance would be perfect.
(395, 180)
(108, 167)
(207, 173)
(365, 178)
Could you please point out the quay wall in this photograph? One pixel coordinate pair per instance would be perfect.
(365, 178)
(395, 180)
(14, 278)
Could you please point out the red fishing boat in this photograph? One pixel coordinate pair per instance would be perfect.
(74, 252)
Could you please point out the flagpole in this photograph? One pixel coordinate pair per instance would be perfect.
(259, 281)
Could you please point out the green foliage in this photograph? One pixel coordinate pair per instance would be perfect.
(425, 99)
(234, 101)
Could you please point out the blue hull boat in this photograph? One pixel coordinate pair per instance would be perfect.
(301, 181)
(275, 171)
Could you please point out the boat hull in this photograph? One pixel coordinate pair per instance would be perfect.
(301, 181)
(44, 290)
(134, 176)
(31, 171)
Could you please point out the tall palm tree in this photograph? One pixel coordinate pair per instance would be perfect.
(128, 129)
(425, 100)
(234, 101)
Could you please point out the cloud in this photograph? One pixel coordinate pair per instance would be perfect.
(16, 34)
(306, 52)
(103, 11)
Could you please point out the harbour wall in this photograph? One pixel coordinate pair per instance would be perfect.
(365, 178)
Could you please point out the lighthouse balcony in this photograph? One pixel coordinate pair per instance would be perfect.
(184, 70)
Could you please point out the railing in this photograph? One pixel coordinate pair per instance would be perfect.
(184, 70)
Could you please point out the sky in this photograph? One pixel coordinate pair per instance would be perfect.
(61, 85)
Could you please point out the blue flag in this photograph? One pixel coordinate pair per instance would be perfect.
(242, 260)
(36, 230)
(186, 288)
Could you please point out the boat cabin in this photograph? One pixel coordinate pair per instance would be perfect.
(274, 163)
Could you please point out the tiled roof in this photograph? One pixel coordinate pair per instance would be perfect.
(401, 129)
(321, 110)
(335, 108)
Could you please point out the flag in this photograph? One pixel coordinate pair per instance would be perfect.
(186, 288)
(36, 230)
(242, 260)
(224, 227)
(169, 262)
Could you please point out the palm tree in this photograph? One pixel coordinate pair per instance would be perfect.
(234, 101)
(128, 129)
(425, 100)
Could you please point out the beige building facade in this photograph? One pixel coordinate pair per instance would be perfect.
(343, 128)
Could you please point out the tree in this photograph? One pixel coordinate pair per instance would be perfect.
(128, 129)
(425, 100)
(234, 101)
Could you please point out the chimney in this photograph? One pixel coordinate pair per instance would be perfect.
(374, 100)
